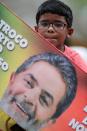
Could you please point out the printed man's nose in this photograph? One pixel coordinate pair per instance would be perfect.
(33, 94)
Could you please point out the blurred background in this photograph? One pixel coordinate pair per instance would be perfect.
(26, 10)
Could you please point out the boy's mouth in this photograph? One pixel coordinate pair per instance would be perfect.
(53, 41)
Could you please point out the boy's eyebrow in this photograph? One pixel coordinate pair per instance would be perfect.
(53, 21)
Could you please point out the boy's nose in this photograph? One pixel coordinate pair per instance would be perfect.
(50, 28)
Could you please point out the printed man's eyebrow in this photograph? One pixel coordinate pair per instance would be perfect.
(33, 78)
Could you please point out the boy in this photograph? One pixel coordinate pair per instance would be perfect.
(54, 22)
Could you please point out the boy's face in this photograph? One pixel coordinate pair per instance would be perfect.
(54, 28)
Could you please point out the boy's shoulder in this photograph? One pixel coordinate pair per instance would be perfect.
(76, 58)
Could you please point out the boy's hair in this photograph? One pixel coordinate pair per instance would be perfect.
(55, 7)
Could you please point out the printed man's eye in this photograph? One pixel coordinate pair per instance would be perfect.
(29, 84)
(46, 99)
(43, 101)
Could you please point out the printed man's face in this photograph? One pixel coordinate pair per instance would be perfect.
(36, 92)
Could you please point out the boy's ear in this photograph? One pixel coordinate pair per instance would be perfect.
(36, 28)
(70, 32)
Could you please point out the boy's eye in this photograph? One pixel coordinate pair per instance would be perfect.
(58, 24)
(44, 24)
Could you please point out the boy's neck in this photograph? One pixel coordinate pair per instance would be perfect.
(62, 48)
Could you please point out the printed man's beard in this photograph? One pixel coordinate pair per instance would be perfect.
(26, 107)
(31, 123)
(29, 112)
(38, 125)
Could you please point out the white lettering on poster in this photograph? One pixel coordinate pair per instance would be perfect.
(8, 40)
(3, 64)
(79, 126)
(9, 36)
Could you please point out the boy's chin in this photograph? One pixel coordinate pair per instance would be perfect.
(54, 42)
